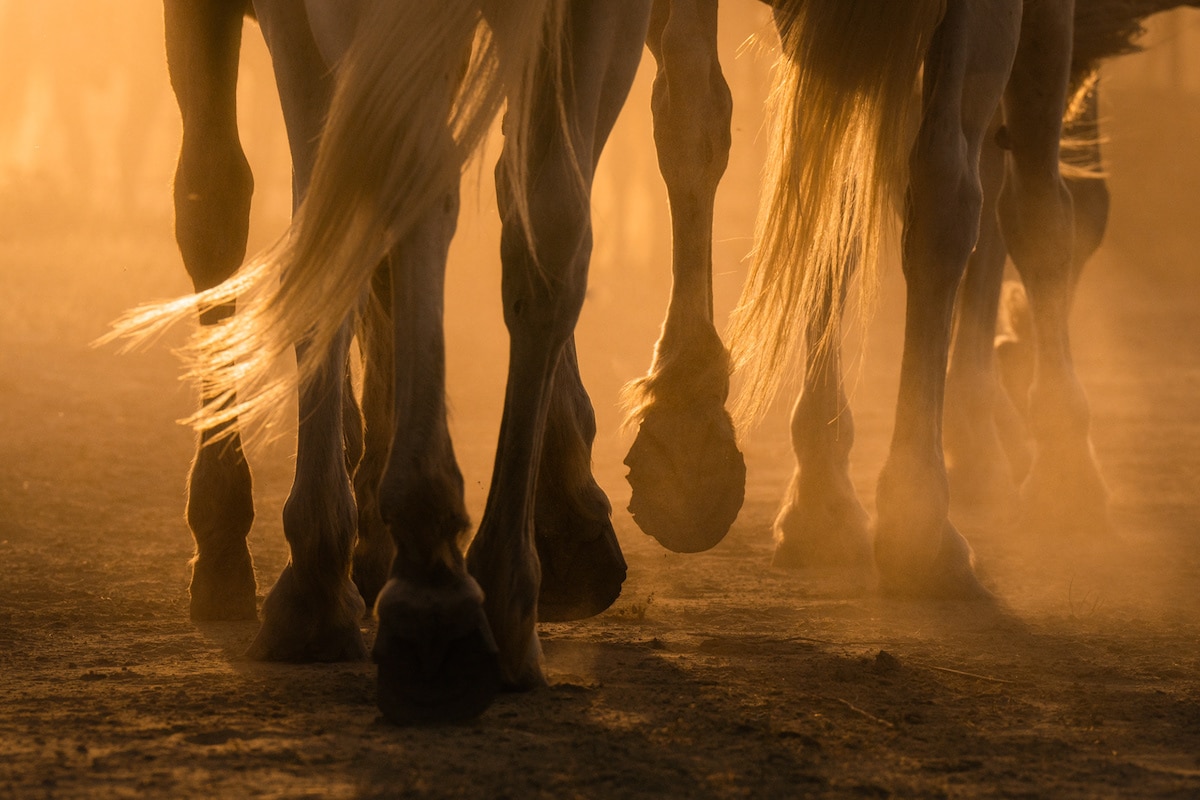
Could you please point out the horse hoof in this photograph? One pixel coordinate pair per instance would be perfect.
(303, 626)
(438, 661)
(688, 477)
(822, 525)
(223, 590)
(582, 574)
(950, 576)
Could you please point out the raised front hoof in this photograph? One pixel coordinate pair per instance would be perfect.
(834, 537)
(688, 477)
(303, 624)
(948, 575)
(582, 574)
(223, 590)
(438, 662)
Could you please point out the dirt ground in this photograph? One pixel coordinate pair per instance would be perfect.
(713, 675)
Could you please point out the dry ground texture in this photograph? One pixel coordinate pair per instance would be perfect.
(713, 675)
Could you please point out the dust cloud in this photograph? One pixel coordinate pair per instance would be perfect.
(92, 465)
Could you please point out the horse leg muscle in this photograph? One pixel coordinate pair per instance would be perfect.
(687, 475)
(213, 185)
(917, 550)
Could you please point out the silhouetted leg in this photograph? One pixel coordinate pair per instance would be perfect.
(917, 550)
(542, 295)
(437, 658)
(312, 612)
(981, 478)
(582, 565)
(687, 475)
(822, 523)
(212, 209)
(1049, 241)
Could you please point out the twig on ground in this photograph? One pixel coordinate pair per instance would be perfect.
(866, 714)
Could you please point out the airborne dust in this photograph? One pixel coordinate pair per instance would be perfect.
(713, 675)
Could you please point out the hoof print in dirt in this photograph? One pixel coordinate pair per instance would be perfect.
(688, 477)
(438, 661)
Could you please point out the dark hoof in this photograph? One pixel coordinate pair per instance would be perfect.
(688, 477)
(223, 590)
(438, 661)
(950, 575)
(303, 624)
(582, 573)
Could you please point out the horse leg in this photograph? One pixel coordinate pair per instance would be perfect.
(373, 551)
(580, 557)
(687, 475)
(822, 522)
(436, 655)
(1049, 240)
(977, 412)
(544, 281)
(917, 550)
(213, 185)
(312, 612)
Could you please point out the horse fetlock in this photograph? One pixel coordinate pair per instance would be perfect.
(310, 619)
(220, 500)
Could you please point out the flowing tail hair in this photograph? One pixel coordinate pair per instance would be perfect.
(416, 95)
(841, 110)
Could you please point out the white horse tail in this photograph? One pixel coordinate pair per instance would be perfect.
(841, 111)
(416, 95)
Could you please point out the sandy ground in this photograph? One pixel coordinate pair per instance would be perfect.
(713, 675)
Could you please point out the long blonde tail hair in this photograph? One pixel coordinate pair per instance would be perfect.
(416, 96)
(841, 108)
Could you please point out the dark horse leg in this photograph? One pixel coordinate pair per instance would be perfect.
(543, 288)
(449, 639)
(1052, 226)
(213, 185)
(687, 475)
(313, 611)
(982, 428)
(917, 550)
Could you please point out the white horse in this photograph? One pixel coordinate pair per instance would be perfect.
(997, 78)
(377, 206)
